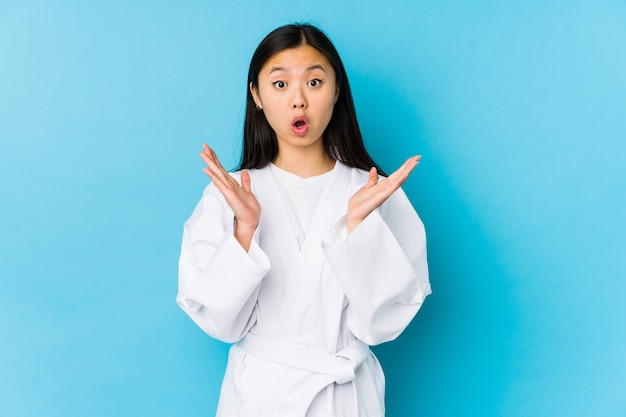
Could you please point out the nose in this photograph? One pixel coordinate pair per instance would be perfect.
(298, 100)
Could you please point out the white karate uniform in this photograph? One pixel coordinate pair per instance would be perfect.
(304, 302)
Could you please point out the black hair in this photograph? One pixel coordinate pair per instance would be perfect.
(342, 137)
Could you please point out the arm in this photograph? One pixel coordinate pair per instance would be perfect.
(382, 268)
(218, 280)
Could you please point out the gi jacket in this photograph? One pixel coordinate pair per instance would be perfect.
(311, 307)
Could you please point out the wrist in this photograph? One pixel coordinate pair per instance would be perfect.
(352, 223)
(241, 227)
(244, 233)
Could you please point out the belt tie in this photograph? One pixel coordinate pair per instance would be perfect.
(341, 366)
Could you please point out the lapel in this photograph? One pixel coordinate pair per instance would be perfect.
(276, 233)
(302, 267)
(275, 214)
(327, 211)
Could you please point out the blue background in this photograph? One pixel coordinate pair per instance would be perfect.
(519, 110)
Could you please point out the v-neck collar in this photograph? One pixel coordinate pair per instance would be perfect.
(285, 181)
(292, 178)
(277, 211)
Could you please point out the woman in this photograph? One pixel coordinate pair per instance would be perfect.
(305, 256)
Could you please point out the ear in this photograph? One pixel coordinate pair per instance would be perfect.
(336, 95)
(255, 95)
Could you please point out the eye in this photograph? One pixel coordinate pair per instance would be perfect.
(315, 82)
(279, 84)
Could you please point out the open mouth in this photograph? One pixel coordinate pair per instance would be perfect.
(300, 125)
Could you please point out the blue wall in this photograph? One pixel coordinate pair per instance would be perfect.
(519, 109)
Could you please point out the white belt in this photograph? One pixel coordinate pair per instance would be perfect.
(341, 365)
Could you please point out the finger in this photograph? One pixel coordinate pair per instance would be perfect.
(209, 154)
(389, 185)
(217, 160)
(206, 150)
(214, 178)
(408, 166)
(225, 176)
(402, 173)
(210, 168)
(245, 181)
(410, 163)
(212, 171)
(208, 172)
(373, 177)
(210, 158)
(205, 157)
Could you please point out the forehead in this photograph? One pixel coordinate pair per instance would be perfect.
(295, 59)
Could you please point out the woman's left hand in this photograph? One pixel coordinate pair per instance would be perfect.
(375, 192)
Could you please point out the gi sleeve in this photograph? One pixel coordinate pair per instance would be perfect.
(218, 281)
(382, 268)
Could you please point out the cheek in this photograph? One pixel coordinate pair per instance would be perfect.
(270, 105)
(330, 107)
(274, 118)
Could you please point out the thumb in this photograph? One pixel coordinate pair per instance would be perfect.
(245, 180)
(373, 177)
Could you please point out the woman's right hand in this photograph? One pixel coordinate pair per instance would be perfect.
(239, 197)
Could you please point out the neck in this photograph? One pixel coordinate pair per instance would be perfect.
(304, 164)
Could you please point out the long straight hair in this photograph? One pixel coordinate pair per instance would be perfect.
(342, 138)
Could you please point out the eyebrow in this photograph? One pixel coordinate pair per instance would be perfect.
(316, 66)
(311, 68)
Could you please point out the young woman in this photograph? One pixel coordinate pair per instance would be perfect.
(305, 256)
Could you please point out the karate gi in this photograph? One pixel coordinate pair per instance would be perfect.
(302, 312)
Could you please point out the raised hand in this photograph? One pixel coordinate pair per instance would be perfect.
(239, 197)
(375, 192)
